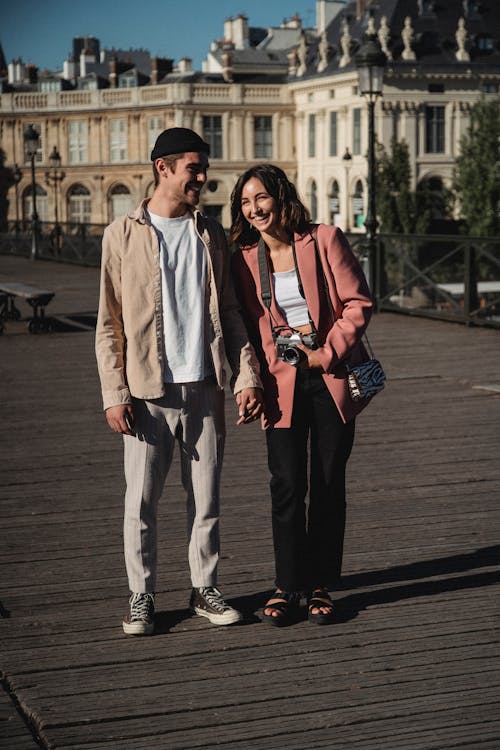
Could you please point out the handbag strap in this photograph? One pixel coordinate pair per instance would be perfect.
(314, 233)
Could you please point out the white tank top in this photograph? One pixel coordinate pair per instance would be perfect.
(289, 299)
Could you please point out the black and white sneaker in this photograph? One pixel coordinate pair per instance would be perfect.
(140, 621)
(207, 601)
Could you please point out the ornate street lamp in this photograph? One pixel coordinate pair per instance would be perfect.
(347, 159)
(53, 177)
(370, 62)
(31, 141)
(17, 176)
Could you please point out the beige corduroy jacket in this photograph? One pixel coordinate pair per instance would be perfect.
(129, 333)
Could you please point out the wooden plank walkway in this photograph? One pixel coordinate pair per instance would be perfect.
(411, 662)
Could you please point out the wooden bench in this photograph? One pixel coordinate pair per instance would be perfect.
(37, 298)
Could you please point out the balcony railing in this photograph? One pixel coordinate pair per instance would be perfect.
(454, 278)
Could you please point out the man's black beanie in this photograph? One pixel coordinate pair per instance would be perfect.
(178, 141)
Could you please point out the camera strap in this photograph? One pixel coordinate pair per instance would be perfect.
(266, 287)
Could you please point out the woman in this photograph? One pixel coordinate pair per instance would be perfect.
(309, 284)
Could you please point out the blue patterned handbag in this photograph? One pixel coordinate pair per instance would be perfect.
(365, 379)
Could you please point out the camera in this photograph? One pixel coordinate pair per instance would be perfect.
(288, 350)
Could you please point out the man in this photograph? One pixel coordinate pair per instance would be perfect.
(167, 320)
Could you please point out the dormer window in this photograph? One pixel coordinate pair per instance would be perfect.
(127, 80)
(484, 43)
(426, 8)
(471, 9)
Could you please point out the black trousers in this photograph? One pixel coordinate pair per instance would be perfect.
(309, 541)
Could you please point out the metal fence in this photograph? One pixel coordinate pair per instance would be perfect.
(454, 278)
(68, 243)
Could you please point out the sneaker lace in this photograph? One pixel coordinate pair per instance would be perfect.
(141, 606)
(214, 598)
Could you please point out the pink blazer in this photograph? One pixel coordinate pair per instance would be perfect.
(339, 339)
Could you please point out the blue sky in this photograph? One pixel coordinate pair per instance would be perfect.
(40, 31)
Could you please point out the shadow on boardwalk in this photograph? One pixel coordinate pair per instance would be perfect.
(411, 662)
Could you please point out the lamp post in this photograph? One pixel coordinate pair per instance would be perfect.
(370, 62)
(53, 177)
(347, 159)
(17, 176)
(31, 141)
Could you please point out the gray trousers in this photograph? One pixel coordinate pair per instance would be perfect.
(192, 414)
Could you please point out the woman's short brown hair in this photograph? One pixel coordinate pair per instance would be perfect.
(294, 216)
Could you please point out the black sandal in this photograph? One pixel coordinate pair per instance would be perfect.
(319, 598)
(285, 603)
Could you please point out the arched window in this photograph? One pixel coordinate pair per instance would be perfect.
(120, 201)
(334, 203)
(358, 205)
(42, 204)
(313, 200)
(434, 196)
(79, 207)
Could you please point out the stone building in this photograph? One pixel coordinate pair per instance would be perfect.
(283, 94)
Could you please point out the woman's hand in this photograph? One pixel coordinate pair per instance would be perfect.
(312, 361)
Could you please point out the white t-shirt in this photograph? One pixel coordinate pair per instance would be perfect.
(183, 276)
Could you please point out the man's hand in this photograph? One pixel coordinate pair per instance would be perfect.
(250, 404)
(115, 416)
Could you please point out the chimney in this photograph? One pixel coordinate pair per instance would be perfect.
(360, 9)
(31, 74)
(160, 67)
(227, 63)
(241, 37)
(228, 29)
(185, 65)
(113, 72)
(293, 62)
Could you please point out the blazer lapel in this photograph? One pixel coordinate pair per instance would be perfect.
(307, 263)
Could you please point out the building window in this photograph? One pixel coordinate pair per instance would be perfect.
(485, 43)
(79, 205)
(356, 131)
(127, 81)
(118, 139)
(334, 203)
(120, 201)
(50, 85)
(212, 134)
(263, 137)
(358, 205)
(312, 136)
(434, 130)
(42, 204)
(333, 134)
(488, 88)
(39, 152)
(77, 142)
(395, 124)
(313, 200)
(155, 127)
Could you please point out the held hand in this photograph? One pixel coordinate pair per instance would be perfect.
(250, 404)
(117, 417)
